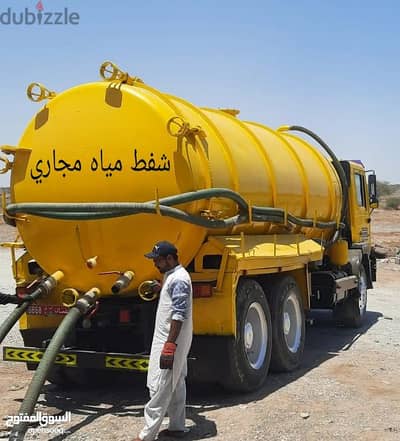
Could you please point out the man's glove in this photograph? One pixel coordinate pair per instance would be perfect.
(167, 355)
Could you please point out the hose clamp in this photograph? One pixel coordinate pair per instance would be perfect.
(87, 301)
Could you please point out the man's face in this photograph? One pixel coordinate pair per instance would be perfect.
(164, 264)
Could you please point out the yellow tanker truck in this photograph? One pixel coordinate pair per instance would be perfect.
(268, 225)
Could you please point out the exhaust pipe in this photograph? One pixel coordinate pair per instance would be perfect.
(82, 307)
(44, 288)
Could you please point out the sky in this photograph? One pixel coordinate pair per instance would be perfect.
(330, 65)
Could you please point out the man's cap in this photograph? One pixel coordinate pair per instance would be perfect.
(162, 248)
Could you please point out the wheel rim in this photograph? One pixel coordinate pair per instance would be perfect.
(292, 322)
(362, 287)
(255, 335)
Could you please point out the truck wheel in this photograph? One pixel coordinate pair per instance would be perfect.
(288, 325)
(352, 311)
(250, 353)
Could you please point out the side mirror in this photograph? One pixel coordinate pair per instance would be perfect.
(372, 190)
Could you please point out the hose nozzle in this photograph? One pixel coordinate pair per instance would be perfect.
(87, 301)
(123, 281)
(45, 287)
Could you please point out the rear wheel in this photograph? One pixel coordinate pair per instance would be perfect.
(250, 353)
(352, 311)
(288, 325)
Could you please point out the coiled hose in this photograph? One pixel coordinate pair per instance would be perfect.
(101, 210)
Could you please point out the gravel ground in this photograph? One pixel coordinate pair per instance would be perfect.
(348, 388)
(385, 227)
(7, 286)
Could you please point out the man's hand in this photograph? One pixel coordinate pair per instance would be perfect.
(155, 286)
(167, 355)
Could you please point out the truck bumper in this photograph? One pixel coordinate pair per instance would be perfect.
(80, 359)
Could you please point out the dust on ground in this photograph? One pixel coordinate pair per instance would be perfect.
(348, 387)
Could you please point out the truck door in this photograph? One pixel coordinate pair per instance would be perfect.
(359, 206)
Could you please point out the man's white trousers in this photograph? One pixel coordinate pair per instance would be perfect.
(165, 400)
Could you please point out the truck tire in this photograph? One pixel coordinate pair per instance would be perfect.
(288, 325)
(352, 311)
(249, 354)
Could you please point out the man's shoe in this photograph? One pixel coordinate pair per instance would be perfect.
(172, 433)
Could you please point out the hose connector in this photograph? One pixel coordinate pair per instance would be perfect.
(122, 282)
(87, 301)
(149, 290)
(46, 286)
(69, 297)
(283, 129)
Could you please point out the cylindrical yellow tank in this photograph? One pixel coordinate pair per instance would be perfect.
(109, 142)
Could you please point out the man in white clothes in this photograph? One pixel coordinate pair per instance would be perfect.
(171, 343)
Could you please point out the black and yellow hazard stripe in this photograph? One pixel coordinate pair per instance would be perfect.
(134, 364)
(81, 358)
(34, 356)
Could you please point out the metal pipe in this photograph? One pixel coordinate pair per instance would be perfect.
(82, 307)
(123, 281)
(44, 288)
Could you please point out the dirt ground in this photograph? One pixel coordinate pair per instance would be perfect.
(348, 387)
(385, 227)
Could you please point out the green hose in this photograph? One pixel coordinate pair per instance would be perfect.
(10, 321)
(33, 392)
(206, 194)
(336, 163)
(104, 210)
(265, 214)
(83, 305)
(6, 299)
(91, 211)
(44, 288)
